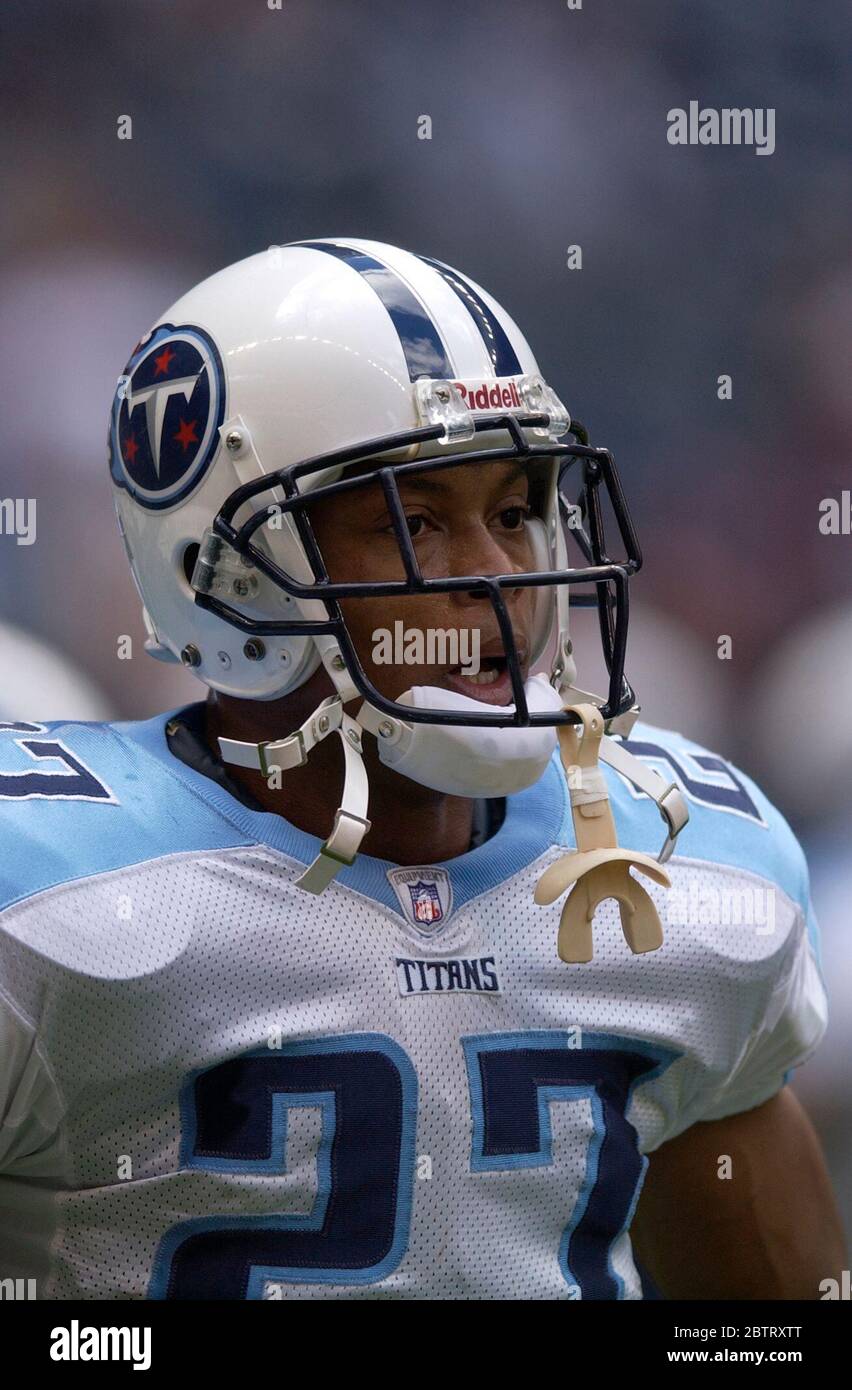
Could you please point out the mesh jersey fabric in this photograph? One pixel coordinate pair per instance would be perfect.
(214, 1085)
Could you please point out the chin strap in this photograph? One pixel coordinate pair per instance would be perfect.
(350, 821)
(597, 869)
(667, 795)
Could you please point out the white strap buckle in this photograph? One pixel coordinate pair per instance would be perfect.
(669, 798)
(673, 808)
(289, 752)
(350, 821)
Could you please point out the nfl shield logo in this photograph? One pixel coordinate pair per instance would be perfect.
(425, 903)
(425, 895)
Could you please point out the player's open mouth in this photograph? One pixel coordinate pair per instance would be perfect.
(491, 684)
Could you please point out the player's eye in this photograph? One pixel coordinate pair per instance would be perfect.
(513, 518)
(417, 524)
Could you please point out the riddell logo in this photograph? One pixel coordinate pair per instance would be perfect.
(489, 395)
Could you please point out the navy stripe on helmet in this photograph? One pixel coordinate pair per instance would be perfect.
(425, 353)
(496, 340)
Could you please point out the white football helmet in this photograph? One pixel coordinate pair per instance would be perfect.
(248, 399)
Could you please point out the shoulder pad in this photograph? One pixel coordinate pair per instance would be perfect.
(731, 821)
(78, 799)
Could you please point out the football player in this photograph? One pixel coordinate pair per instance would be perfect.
(283, 1014)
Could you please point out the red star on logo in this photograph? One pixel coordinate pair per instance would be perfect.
(130, 449)
(162, 362)
(186, 434)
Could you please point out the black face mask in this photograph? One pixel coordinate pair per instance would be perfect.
(582, 519)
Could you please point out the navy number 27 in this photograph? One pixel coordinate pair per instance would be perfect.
(235, 1120)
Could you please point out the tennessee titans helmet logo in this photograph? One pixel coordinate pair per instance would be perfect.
(168, 406)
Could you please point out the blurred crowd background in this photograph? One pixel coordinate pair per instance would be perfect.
(254, 126)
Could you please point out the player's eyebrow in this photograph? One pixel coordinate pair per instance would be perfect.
(438, 481)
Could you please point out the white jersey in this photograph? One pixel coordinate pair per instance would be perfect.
(214, 1085)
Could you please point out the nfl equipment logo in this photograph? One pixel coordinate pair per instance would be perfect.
(425, 896)
(425, 903)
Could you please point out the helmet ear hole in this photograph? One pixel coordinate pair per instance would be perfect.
(190, 555)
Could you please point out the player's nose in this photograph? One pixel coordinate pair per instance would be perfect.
(480, 552)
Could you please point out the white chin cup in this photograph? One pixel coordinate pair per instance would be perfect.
(466, 760)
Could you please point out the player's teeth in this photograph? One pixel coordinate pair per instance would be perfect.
(484, 677)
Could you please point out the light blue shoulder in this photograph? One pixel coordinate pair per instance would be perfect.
(731, 821)
(78, 799)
